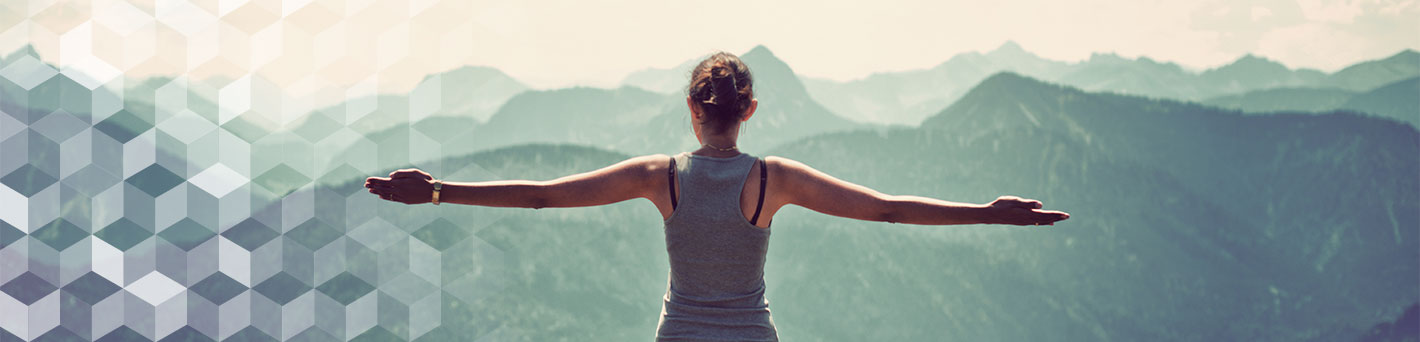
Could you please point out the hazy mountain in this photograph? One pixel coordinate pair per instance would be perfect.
(1371, 74)
(184, 123)
(374, 131)
(474, 91)
(905, 98)
(1251, 73)
(668, 81)
(444, 111)
(1117, 124)
(1395, 101)
(1399, 101)
(627, 120)
(1142, 76)
(1259, 164)
(909, 96)
(1260, 246)
(1284, 100)
(588, 116)
(609, 118)
(468, 92)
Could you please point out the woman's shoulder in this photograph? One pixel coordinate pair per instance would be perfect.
(790, 171)
(782, 163)
(651, 163)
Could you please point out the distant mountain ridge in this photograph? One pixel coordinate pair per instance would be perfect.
(1284, 100)
(669, 81)
(1397, 100)
(1371, 74)
(627, 119)
(907, 97)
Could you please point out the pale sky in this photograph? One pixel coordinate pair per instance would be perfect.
(312, 44)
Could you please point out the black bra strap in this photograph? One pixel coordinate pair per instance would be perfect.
(671, 175)
(763, 178)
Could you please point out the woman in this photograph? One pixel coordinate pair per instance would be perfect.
(717, 203)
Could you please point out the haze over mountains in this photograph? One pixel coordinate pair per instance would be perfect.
(908, 97)
(1394, 100)
(1223, 225)
(627, 119)
(455, 104)
(1236, 203)
(791, 106)
(1191, 223)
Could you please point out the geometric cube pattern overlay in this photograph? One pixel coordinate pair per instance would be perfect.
(175, 210)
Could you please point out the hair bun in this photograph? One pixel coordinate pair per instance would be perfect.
(723, 90)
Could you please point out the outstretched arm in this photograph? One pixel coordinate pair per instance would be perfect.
(619, 182)
(817, 191)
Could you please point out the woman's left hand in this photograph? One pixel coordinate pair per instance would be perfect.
(1024, 212)
(408, 186)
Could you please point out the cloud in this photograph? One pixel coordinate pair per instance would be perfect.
(1259, 12)
(1338, 33)
(1319, 45)
(1323, 34)
(1343, 12)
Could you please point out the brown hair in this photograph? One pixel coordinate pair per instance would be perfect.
(722, 86)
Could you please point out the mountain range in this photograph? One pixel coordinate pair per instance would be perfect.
(1396, 101)
(908, 97)
(627, 119)
(1189, 223)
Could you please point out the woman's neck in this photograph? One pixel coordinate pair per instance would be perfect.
(718, 146)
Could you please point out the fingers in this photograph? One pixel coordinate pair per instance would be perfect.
(379, 185)
(376, 181)
(1049, 217)
(1028, 204)
(1018, 202)
(410, 173)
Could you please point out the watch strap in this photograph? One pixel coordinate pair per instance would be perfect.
(438, 185)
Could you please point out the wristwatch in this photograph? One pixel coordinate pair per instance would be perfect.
(438, 185)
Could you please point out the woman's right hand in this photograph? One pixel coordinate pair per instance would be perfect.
(1024, 212)
(408, 186)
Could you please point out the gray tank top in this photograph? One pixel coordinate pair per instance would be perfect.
(715, 290)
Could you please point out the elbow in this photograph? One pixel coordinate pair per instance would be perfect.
(536, 197)
(538, 200)
(887, 211)
(888, 218)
